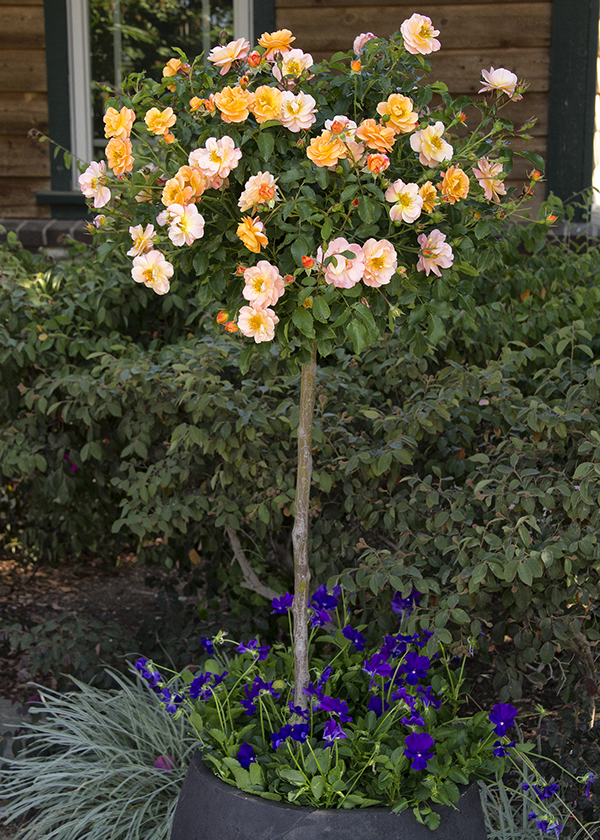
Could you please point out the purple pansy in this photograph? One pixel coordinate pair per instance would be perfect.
(404, 606)
(503, 717)
(378, 706)
(172, 701)
(152, 676)
(245, 755)
(377, 666)
(199, 686)
(207, 645)
(427, 697)
(298, 710)
(415, 719)
(279, 738)
(418, 749)
(333, 731)
(357, 639)
(334, 706)
(253, 647)
(324, 600)
(415, 667)
(502, 750)
(319, 617)
(282, 605)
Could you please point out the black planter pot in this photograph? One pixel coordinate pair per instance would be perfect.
(210, 809)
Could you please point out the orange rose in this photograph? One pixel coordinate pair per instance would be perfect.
(399, 108)
(266, 104)
(455, 184)
(276, 42)
(252, 233)
(118, 155)
(326, 149)
(188, 185)
(376, 136)
(429, 195)
(159, 122)
(377, 163)
(234, 104)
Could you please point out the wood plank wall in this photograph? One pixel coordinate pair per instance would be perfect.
(474, 34)
(24, 163)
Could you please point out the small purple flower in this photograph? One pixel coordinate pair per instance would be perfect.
(207, 645)
(415, 719)
(357, 639)
(402, 694)
(333, 731)
(198, 686)
(418, 748)
(502, 717)
(376, 705)
(377, 666)
(334, 706)
(556, 828)
(279, 738)
(324, 600)
(590, 781)
(547, 792)
(298, 710)
(502, 750)
(427, 698)
(394, 646)
(319, 618)
(253, 647)
(151, 675)
(171, 701)
(300, 731)
(402, 606)
(245, 755)
(282, 605)
(415, 667)
(165, 762)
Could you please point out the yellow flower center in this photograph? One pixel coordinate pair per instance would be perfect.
(376, 262)
(437, 142)
(426, 31)
(293, 68)
(255, 322)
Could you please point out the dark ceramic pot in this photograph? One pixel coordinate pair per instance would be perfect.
(210, 809)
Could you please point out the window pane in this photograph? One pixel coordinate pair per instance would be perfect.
(139, 35)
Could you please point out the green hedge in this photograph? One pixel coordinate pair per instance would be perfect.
(471, 473)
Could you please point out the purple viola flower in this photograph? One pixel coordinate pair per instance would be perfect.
(415, 719)
(378, 706)
(319, 618)
(245, 755)
(590, 781)
(377, 666)
(282, 605)
(556, 828)
(418, 748)
(394, 646)
(261, 653)
(172, 701)
(334, 706)
(415, 667)
(404, 606)
(314, 691)
(150, 674)
(357, 639)
(547, 792)
(402, 694)
(503, 717)
(427, 697)
(199, 685)
(207, 645)
(279, 738)
(298, 710)
(324, 600)
(165, 762)
(300, 732)
(502, 750)
(333, 731)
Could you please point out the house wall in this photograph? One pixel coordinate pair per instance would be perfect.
(474, 34)
(24, 162)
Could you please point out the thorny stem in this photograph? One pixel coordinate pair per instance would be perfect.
(300, 530)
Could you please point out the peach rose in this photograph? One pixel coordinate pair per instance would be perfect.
(252, 233)
(361, 40)
(293, 63)
(258, 189)
(376, 136)
(118, 155)
(159, 122)
(377, 163)
(264, 285)
(297, 111)
(258, 324)
(266, 104)
(435, 253)
(381, 262)
(234, 104)
(419, 35)
(153, 270)
(430, 145)
(429, 195)
(326, 149)
(118, 123)
(142, 240)
(217, 158)
(408, 204)
(188, 184)
(186, 224)
(341, 271)
(455, 185)
(224, 57)
(500, 80)
(92, 183)
(275, 42)
(487, 177)
(399, 108)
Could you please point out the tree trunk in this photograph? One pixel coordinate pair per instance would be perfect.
(300, 530)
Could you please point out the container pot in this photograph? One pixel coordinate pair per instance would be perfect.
(210, 809)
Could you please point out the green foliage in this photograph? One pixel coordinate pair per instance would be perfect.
(85, 766)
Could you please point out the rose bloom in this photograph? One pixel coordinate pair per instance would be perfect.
(118, 123)
(361, 40)
(402, 118)
(377, 163)
(435, 253)
(455, 185)
(381, 262)
(172, 67)
(252, 233)
(92, 183)
(258, 324)
(487, 177)
(264, 285)
(266, 104)
(429, 195)
(297, 111)
(186, 186)
(234, 104)
(218, 157)
(341, 272)
(430, 145)
(293, 63)
(326, 149)
(159, 122)
(196, 103)
(276, 42)
(376, 136)
(142, 240)
(118, 155)
(153, 270)
(223, 57)
(258, 189)
(186, 224)
(341, 126)
(408, 204)
(501, 80)
(419, 35)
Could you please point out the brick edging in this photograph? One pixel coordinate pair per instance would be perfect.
(45, 233)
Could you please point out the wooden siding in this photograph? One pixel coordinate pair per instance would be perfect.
(474, 34)
(24, 163)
